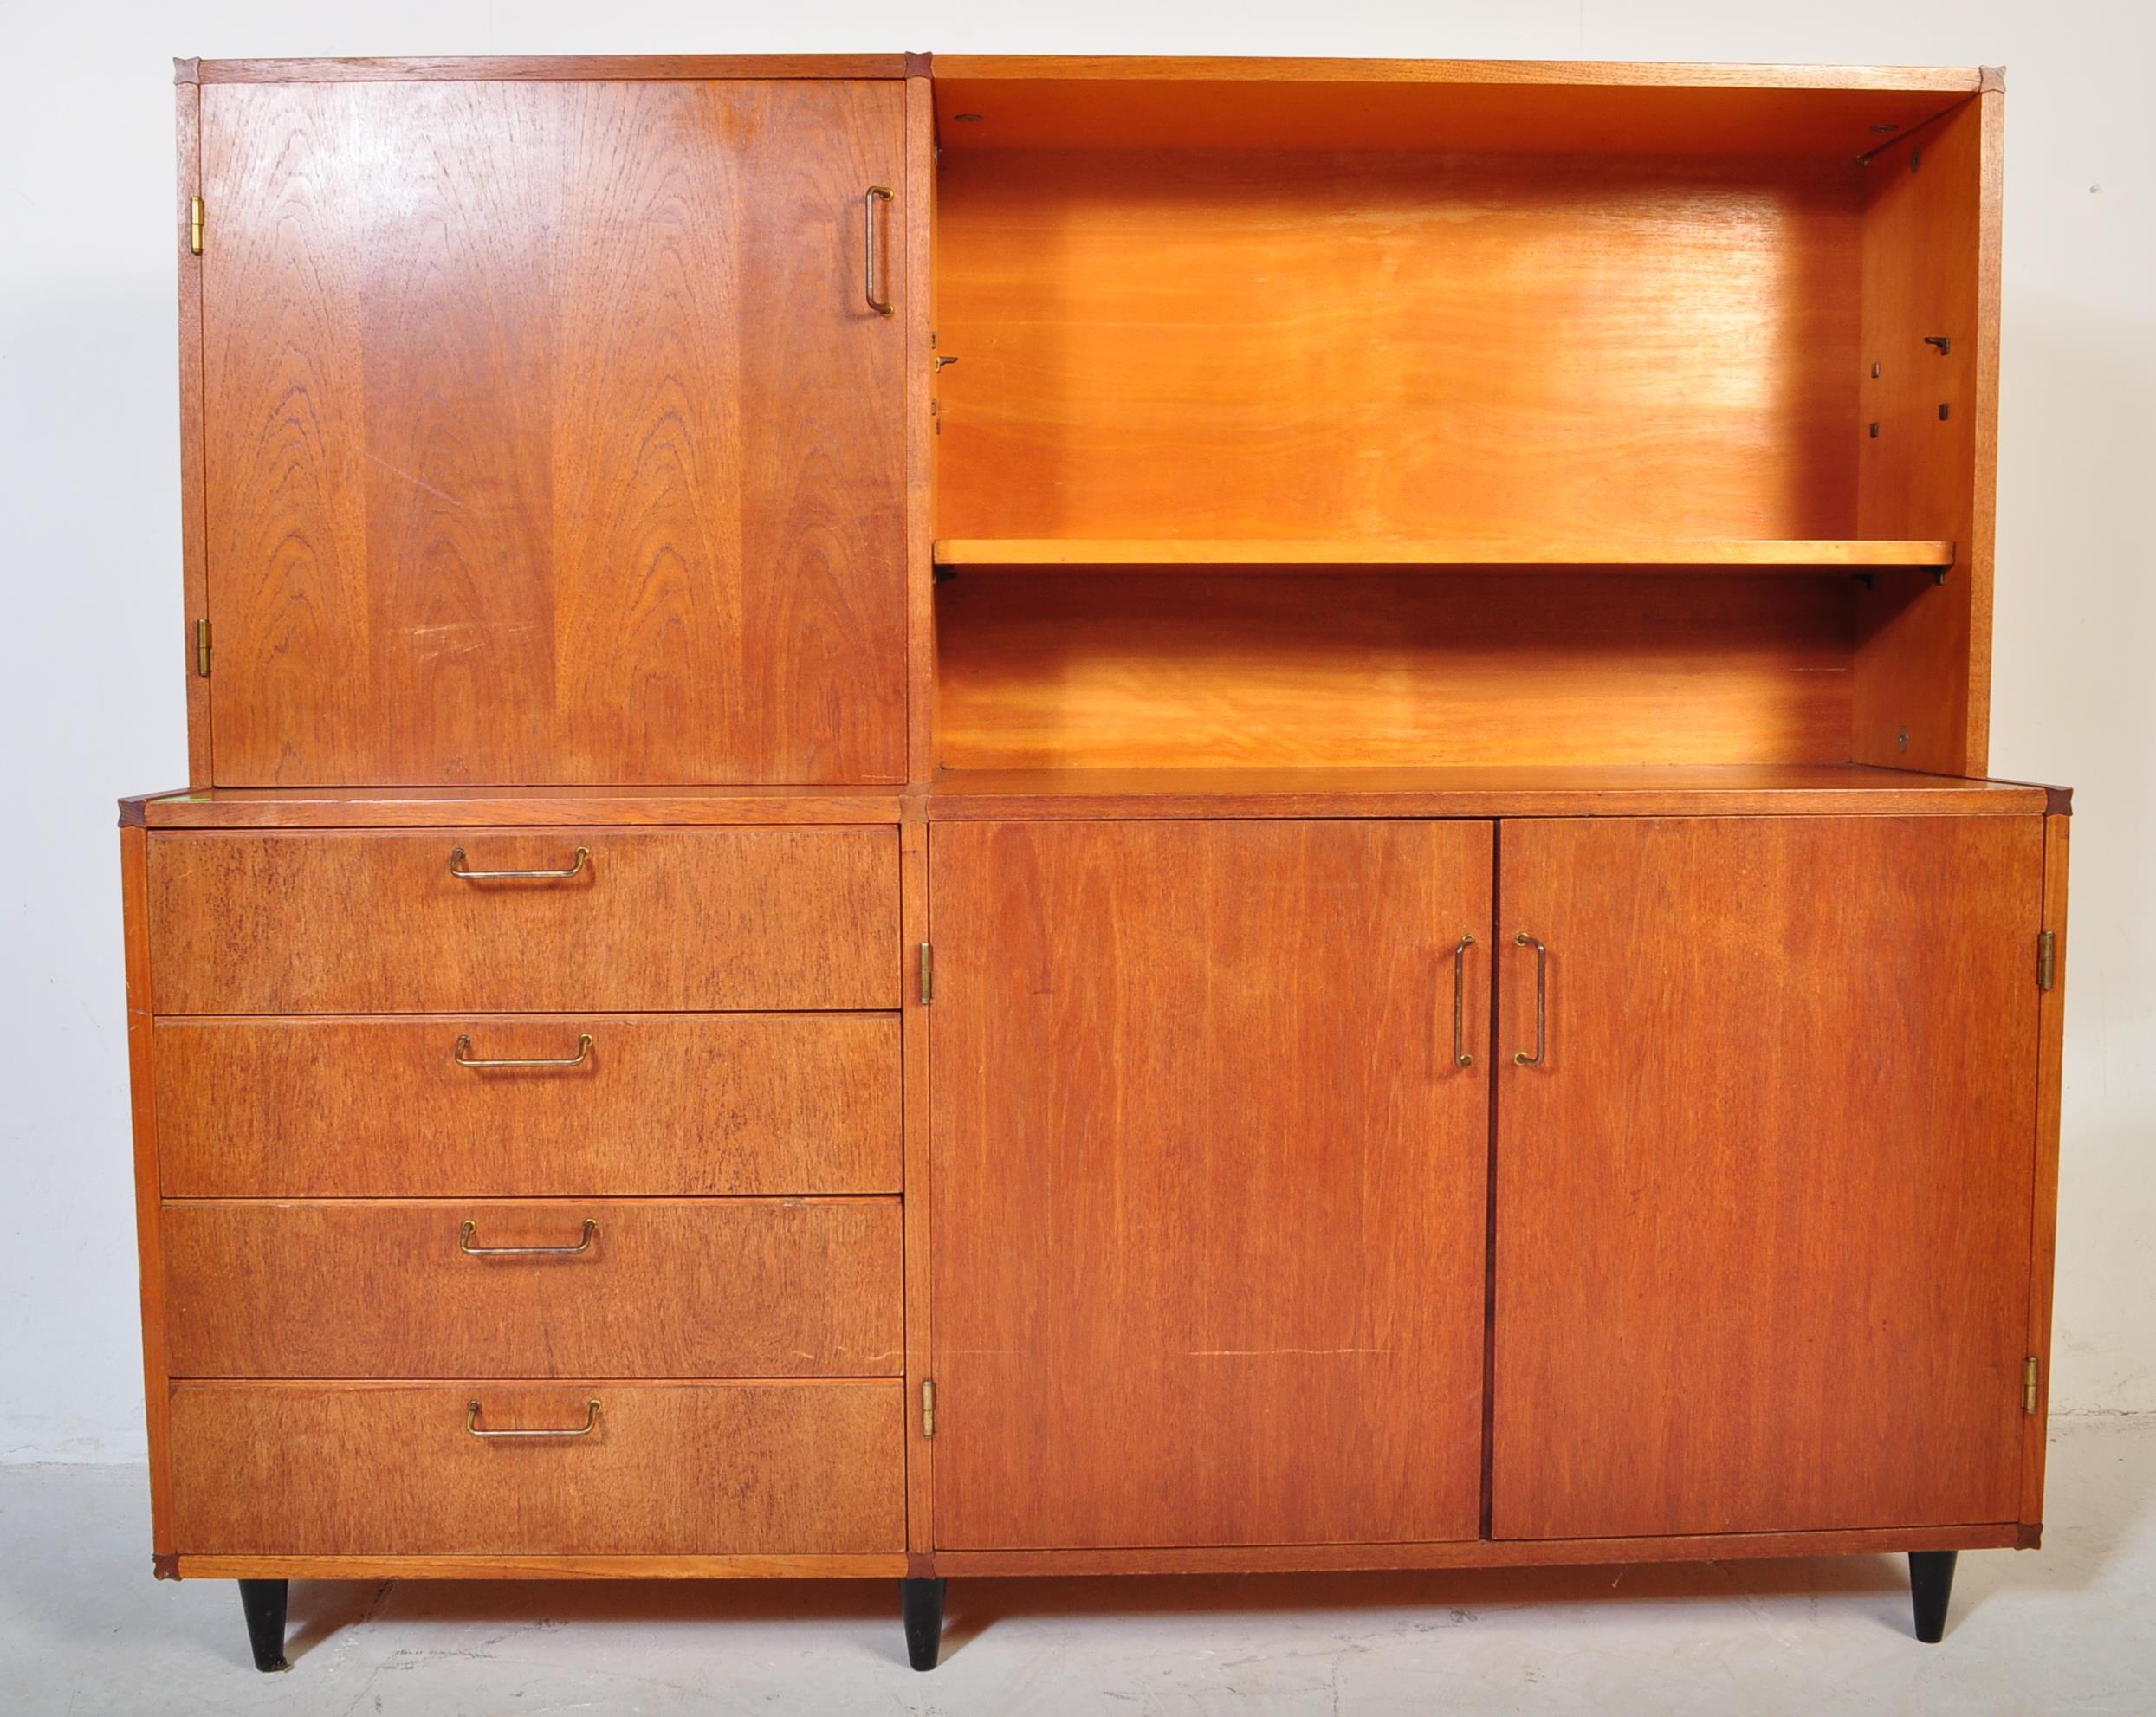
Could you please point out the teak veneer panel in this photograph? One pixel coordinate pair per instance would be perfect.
(679, 1105)
(549, 437)
(369, 1470)
(1062, 671)
(1210, 1188)
(665, 1288)
(1763, 1212)
(1328, 345)
(319, 922)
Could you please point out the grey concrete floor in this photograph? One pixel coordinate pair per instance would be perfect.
(2070, 1628)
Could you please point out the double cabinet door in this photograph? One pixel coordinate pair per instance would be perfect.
(1691, 1195)
(553, 431)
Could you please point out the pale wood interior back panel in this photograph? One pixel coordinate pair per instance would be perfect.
(1087, 670)
(1328, 344)
(548, 435)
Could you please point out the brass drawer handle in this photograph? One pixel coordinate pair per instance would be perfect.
(591, 1423)
(1460, 1054)
(881, 306)
(470, 1228)
(464, 1058)
(457, 870)
(1541, 1002)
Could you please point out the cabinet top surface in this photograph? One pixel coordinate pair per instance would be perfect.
(968, 795)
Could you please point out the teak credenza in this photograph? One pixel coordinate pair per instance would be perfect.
(1088, 815)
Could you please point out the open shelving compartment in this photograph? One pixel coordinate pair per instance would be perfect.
(1331, 416)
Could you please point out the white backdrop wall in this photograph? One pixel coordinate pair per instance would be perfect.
(91, 682)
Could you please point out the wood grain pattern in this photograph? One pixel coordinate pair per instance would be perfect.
(1508, 107)
(1763, 1229)
(987, 554)
(549, 437)
(667, 1104)
(2043, 1219)
(149, 1236)
(372, 1469)
(1931, 269)
(668, 1288)
(659, 920)
(251, 807)
(1331, 344)
(1788, 790)
(1062, 669)
(1209, 1186)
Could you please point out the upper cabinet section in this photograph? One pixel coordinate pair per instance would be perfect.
(551, 431)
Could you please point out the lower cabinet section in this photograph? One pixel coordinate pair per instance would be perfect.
(534, 1288)
(793, 1468)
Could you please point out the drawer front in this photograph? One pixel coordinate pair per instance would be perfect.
(627, 1288)
(660, 1105)
(374, 922)
(680, 1469)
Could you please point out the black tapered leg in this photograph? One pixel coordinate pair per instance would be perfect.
(1931, 1584)
(263, 1601)
(922, 1602)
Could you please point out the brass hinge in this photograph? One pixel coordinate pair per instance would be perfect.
(202, 648)
(194, 225)
(927, 974)
(2029, 1385)
(927, 1406)
(2047, 961)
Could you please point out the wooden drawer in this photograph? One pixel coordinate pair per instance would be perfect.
(678, 1288)
(374, 922)
(722, 1468)
(663, 1105)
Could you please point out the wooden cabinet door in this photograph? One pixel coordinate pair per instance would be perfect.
(1762, 1207)
(549, 434)
(1209, 1183)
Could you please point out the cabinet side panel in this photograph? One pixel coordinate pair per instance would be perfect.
(142, 1087)
(2044, 1216)
(1931, 299)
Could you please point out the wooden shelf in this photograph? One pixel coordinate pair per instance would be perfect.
(1830, 554)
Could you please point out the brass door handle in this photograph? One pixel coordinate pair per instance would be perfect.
(875, 193)
(470, 1228)
(1460, 1054)
(472, 1427)
(1541, 1002)
(457, 870)
(464, 1058)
